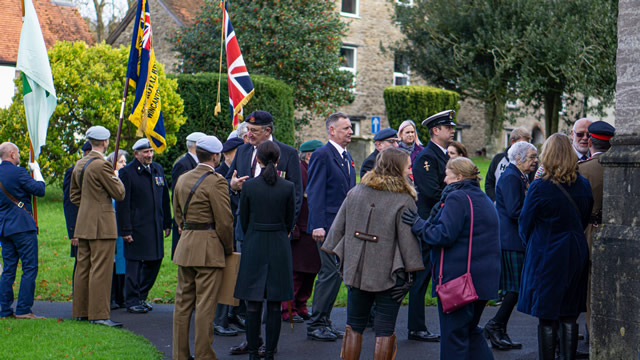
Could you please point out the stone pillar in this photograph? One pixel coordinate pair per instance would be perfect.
(615, 294)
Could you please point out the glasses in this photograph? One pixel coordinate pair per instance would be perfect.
(393, 141)
(255, 130)
(581, 134)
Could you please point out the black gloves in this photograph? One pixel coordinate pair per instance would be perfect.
(404, 281)
(410, 217)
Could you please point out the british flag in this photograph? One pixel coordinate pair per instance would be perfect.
(240, 85)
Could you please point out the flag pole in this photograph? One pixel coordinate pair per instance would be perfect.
(124, 101)
(218, 108)
(31, 159)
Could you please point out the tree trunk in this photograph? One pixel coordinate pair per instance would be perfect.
(99, 5)
(493, 118)
(552, 107)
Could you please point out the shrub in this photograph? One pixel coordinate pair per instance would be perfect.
(417, 103)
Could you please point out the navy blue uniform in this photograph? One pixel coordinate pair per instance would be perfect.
(428, 173)
(143, 214)
(461, 335)
(186, 163)
(18, 237)
(510, 193)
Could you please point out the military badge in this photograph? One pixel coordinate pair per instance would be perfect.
(426, 165)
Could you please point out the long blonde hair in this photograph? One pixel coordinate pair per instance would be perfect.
(559, 160)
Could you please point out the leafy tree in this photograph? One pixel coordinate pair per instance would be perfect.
(89, 82)
(297, 42)
(495, 51)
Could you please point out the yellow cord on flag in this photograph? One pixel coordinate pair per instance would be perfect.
(218, 107)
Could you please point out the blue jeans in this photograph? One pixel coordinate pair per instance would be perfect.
(359, 304)
(24, 247)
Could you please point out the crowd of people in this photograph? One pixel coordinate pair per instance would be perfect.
(302, 224)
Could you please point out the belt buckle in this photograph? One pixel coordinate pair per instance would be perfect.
(20, 204)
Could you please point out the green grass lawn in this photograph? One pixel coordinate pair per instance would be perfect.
(55, 265)
(69, 339)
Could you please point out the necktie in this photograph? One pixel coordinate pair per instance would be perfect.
(345, 159)
(253, 166)
(584, 157)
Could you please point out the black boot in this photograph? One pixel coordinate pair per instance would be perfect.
(507, 339)
(547, 335)
(568, 341)
(495, 333)
(269, 355)
(272, 329)
(253, 333)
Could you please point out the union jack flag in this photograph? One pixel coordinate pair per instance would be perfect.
(240, 85)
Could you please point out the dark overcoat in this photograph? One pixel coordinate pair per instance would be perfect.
(450, 231)
(428, 174)
(266, 216)
(70, 209)
(17, 181)
(330, 178)
(369, 163)
(303, 248)
(145, 210)
(184, 164)
(554, 277)
(510, 193)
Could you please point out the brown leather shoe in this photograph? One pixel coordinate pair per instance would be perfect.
(385, 348)
(351, 344)
(29, 316)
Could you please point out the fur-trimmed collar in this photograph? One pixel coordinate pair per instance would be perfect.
(388, 183)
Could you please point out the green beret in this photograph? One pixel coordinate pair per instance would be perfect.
(310, 145)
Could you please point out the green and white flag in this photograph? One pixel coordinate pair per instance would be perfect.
(37, 82)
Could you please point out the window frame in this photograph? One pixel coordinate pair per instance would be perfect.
(355, 14)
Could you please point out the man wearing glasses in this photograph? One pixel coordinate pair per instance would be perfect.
(384, 138)
(580, 137)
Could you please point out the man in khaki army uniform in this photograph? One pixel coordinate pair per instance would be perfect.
(203, 214)
(600, 133)
(93, 184)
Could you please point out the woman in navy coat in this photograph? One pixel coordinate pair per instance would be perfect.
(448, 228)
(510, 194)
(552, 222)
(267, 208)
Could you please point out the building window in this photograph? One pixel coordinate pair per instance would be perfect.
(349, 7)
(348, 56)
(355, 126)
(400, 70)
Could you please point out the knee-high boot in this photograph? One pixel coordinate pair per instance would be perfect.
(253, 323)
(547, 335)
(385, 348)
(351, 344)
(568, 341)
(274, 323)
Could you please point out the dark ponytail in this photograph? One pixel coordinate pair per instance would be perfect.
(269, 153)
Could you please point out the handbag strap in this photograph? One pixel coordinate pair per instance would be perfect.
(470, 244)
(570, 199)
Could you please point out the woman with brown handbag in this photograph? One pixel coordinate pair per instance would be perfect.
(463, 232)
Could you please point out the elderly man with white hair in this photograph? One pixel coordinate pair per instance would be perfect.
(510, 194)
(580, 138)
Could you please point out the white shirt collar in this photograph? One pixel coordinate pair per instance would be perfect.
(338, 147)
(194, 157)
(444, 150)
(580, 155)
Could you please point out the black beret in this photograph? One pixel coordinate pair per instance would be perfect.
(86, 146)
(231, 144)
(385, 134)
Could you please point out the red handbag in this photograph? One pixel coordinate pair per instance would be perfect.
(460, 291)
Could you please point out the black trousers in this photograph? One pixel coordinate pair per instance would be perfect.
(416, 317)
(359, 305)
(139, 279)
(326, 291)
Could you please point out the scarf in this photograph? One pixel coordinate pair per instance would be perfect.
(409, 148)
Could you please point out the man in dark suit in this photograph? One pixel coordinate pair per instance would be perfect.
(144, 219)
(383, 139)
(185, 163)
(71, 210)
(331, 175)
(18, 233)
(429, 173)
(244, 166)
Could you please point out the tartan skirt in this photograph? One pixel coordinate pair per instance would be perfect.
(512, 262)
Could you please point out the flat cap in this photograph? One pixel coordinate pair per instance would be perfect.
(194, 136)
(259, 117)
(98, 133)
(209, 143)
(385, 134)
(601, 130)
(231, 144)
(141, 144)
(86, 146)
(441, 118)
(311, 145)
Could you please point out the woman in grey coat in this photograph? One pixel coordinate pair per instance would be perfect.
(377, 251)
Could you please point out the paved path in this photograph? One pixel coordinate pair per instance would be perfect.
(157, 327)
